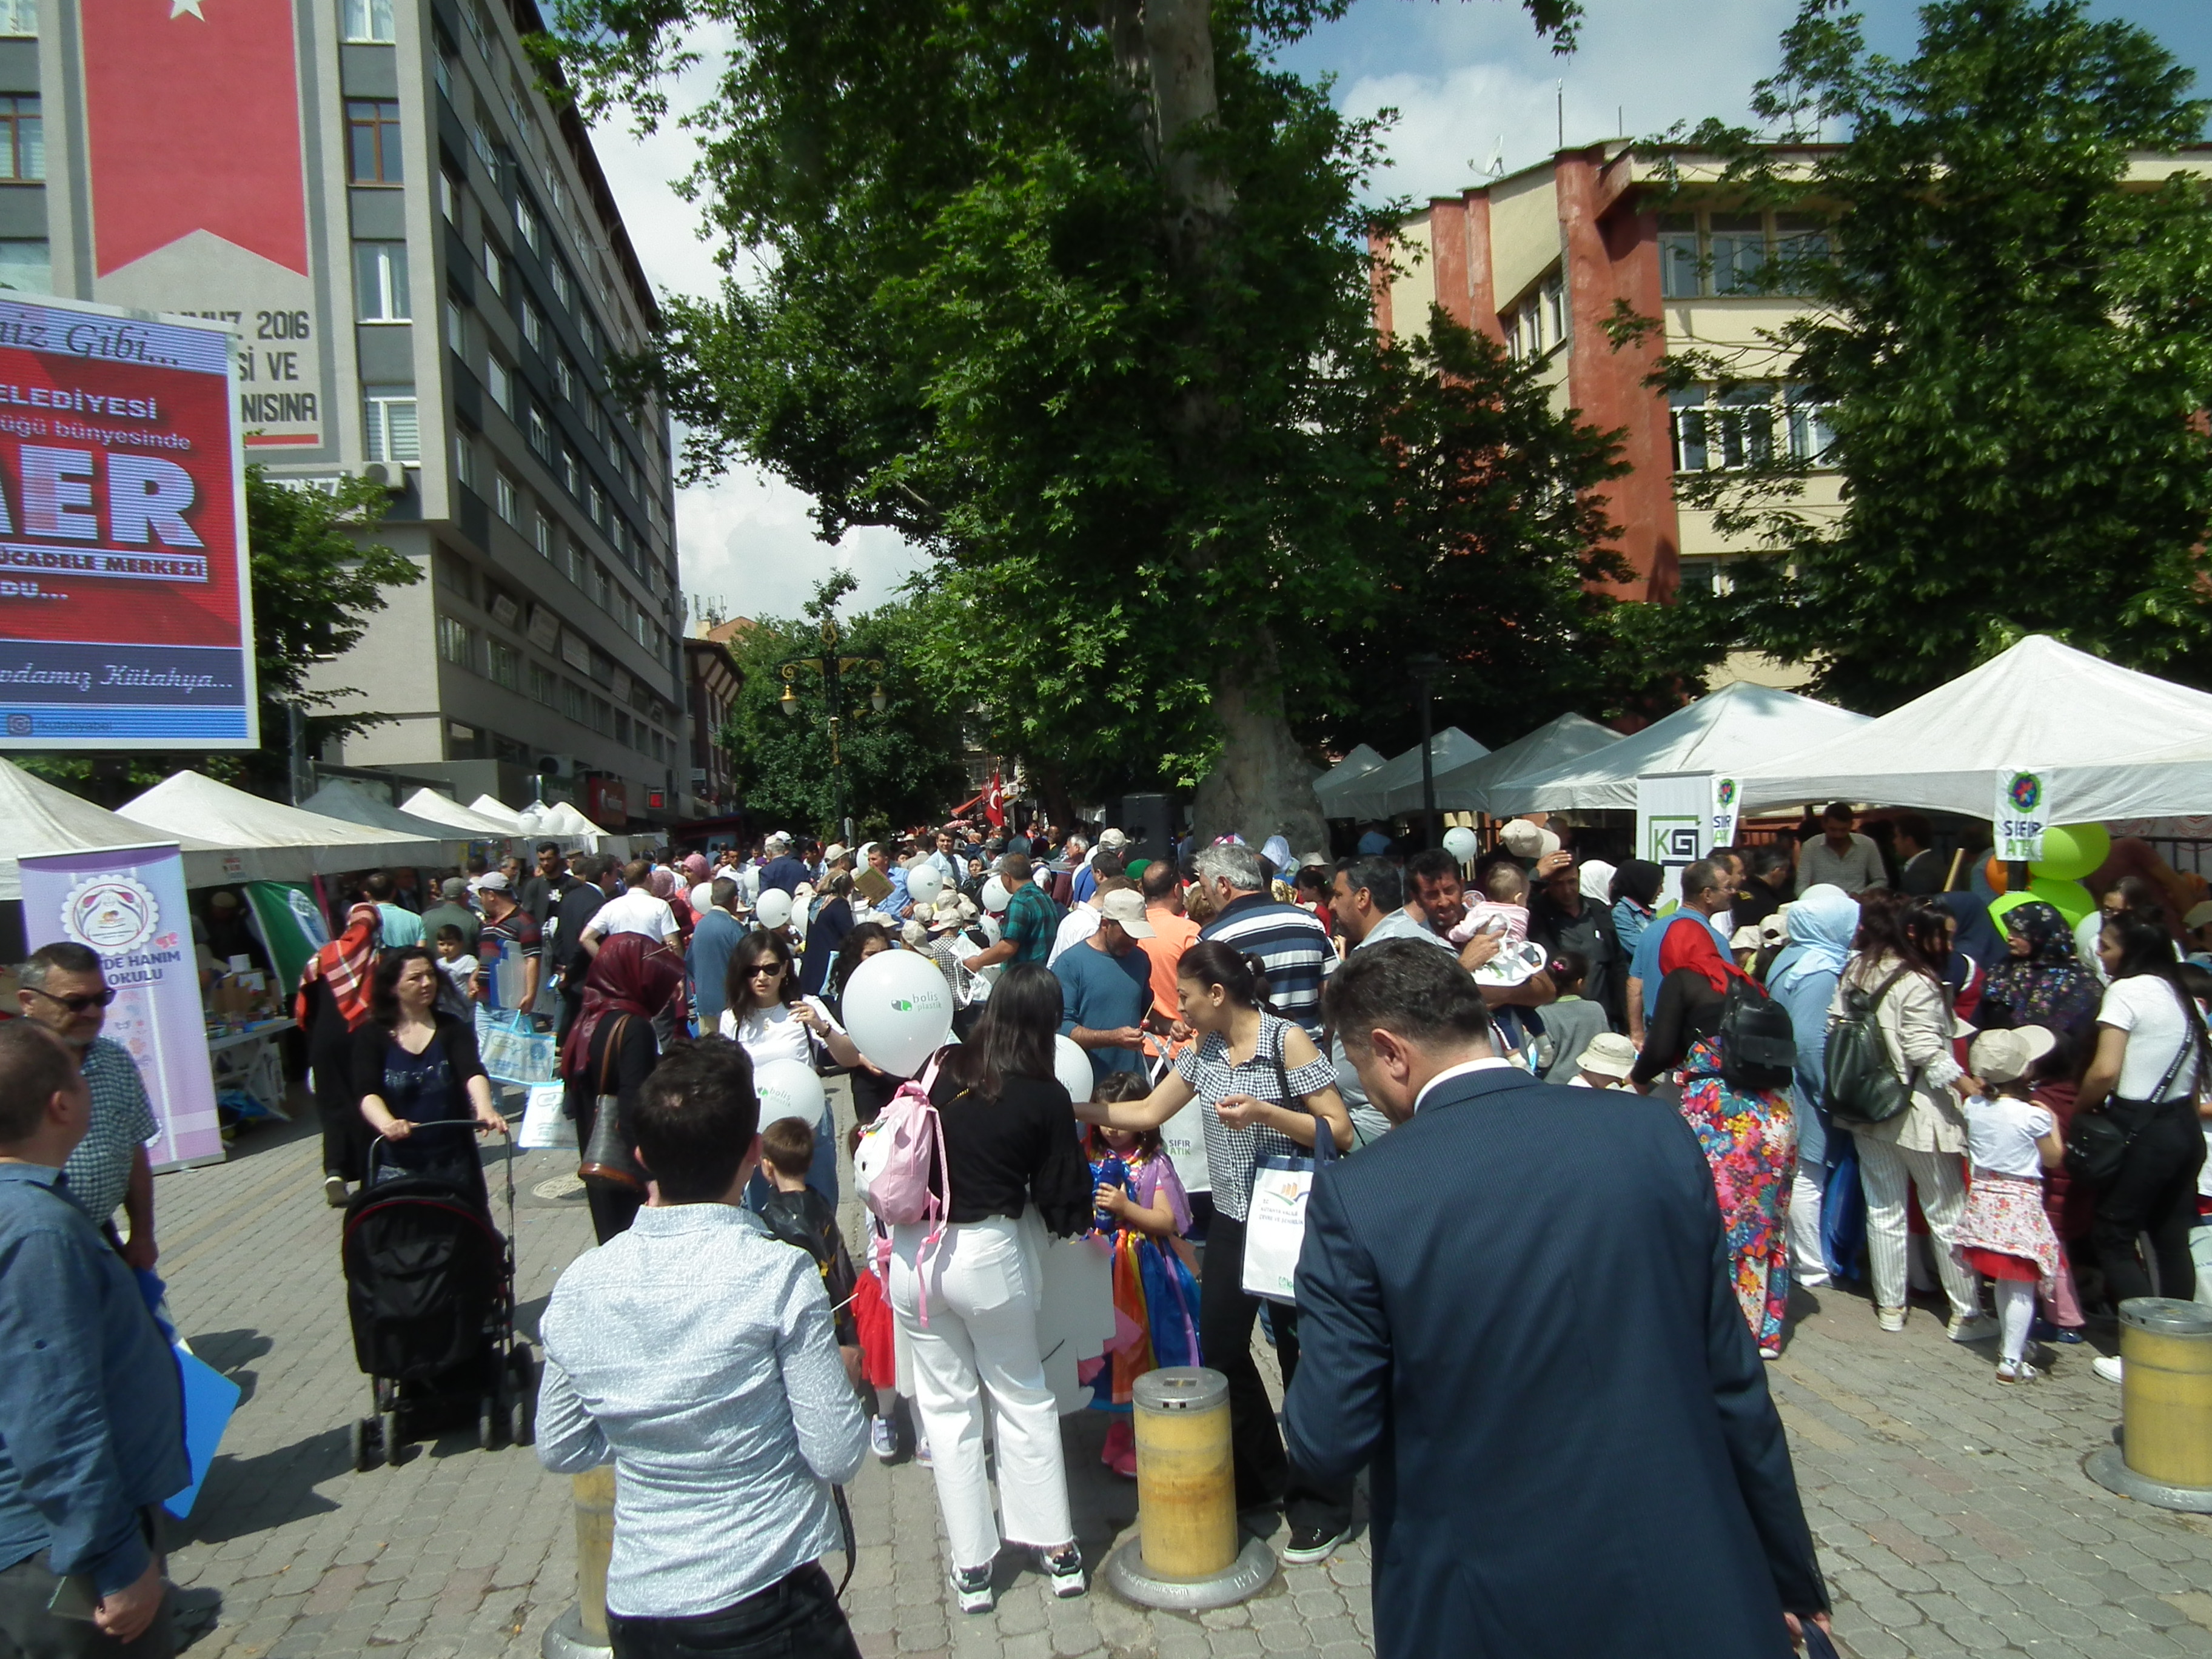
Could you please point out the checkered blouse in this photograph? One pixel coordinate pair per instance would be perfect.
(1213, 1076)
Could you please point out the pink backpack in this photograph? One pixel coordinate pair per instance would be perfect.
(893, 1162)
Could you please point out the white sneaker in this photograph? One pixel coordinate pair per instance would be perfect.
(334, 1191)
(1890, 1319)
(1064, 1570)
(1814, 1281)
(883, 1439)
(2109, 1367)
(1973, 1327)
(920, 1449)
(971, 1588)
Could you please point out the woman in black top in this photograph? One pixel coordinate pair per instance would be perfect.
(828, 919)
(1012, 1169)
(611, 1050)
(413, 1066)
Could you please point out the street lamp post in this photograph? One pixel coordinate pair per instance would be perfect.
(1424, 671)
(833, 669)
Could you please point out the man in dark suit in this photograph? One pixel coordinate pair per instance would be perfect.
(1516, 1306)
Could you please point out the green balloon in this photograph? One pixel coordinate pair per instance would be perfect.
(2070, 898)
(2071, 851)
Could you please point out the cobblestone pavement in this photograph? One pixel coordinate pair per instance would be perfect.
(1951, 1514)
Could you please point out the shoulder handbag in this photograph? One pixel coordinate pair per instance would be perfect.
(1275, 1219)
(2096, 1145)
(608, 1157)
(1862, 1087)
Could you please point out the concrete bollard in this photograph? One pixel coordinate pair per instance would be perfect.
(2165, 1456)
(581, 1632)
(1186, 1555)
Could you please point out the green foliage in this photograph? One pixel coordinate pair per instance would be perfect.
(315, 584)
(1114, 369)
(902, 767)
(2012, 339)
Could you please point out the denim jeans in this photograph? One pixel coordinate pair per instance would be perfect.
(796, 1618)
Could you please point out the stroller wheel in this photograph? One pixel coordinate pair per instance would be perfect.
(389, 1422)
(517, 1421)
(362, 1439)
(488, 1416)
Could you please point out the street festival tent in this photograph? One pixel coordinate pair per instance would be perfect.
(490, 806)
(1735, 728)
(1469, 788)
(190, 802)
(1396, 786)
(444, 809)
(339, 797)
(1357, 764)
(2108, 743)
(36, 817)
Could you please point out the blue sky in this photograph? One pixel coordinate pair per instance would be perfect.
(1469, 79)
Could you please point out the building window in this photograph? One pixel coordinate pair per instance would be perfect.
(454, 576)
(379, 282)
(527, 222)
(456, 644)
(510, 501)
(480, 142)
(515, 104)
(494, 271)
(1722, 254)
(572, 472)
(27, 265)
(506, 664)
(541, 434)
(20, 17)
(499, 380)
(533, 328)
(457, 327)
(542, 684)
(591, 335)
(464, 460)
(601, 585)
(472, 19)
(1700, 578)
(441, 71)
(564, 379)
(373, 139)
(563, 289)
(576, 563)
(22, 141)
(599, 505)
(1735, 245)
(1805, 426)
(449, 197)
(389, 430)
(575, 702)
(369, 21)
(542, 534)
(1717, 431)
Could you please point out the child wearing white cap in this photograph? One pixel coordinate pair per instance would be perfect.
(2011, 1141)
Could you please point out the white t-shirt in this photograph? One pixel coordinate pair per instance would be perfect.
(2002, 1133)
(767, 1034)
(1077, 925)
(635, 910)
(2149, 1010)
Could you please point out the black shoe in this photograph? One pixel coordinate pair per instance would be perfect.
(1311, 1543)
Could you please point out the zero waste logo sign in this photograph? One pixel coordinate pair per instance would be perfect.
(2024, 791)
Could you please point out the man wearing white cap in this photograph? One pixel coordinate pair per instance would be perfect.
(1086, 879)
(1106, 986)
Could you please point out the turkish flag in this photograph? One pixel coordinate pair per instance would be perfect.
(192, 119)
(994, 803)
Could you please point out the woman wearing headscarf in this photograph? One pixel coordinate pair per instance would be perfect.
(698, 882)
(1595, 878)
(1749, 1136)
(1634, 901)
(331, 1006)
(610, 1050)
(1977, 948)
(665, 887)
(1803, 981)
(2040, 981)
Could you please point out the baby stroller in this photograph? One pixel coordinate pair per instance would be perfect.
(430, 1291)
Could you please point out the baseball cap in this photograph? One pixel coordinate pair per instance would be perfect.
(2008, 1055)
(1112, 840)
(452, 888)
(2198, 916)
(1525, 839)
(492, 881)
(777, 838)
(1128, 909)
(1609, 1054)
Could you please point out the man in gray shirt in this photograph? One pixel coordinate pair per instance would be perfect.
(1841, 857)
(696, 1351)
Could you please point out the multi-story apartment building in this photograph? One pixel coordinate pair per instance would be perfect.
(1540, 259)
(430, 280)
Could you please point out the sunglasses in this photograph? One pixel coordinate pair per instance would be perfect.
(82, 1005)
(766, 967)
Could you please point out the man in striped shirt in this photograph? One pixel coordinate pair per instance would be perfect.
(1289, 942)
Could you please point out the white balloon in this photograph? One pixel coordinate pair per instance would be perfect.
(788, 1088)
(995, 896)
(774, 910)
(1461, 843)
(1072, 1068)
(924, 882)
(898, 1010)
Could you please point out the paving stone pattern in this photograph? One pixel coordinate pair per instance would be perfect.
(1951, 1514)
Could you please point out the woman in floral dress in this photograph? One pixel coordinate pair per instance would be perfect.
(1750, 1138)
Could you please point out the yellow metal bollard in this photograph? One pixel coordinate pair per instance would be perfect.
(2166, 1405)
(582, 1631)
(1186, 1555)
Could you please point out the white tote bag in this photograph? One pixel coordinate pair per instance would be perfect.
(543, 1123)
(1275, 1222)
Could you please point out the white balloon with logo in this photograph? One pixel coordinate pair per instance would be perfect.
(899, 1011)
(924, 882)
(788, 1088)
(1072, 1068)
(995, 896)
(1461, 842)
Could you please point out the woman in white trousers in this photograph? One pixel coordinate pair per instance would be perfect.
(1899, 944)
(967, 1303)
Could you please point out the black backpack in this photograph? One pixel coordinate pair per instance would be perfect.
(1759, 1046)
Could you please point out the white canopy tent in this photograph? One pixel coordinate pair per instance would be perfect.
(444, 809)
(490, 806)
(1357, 764)
(1396, 786)
(1470, 788)
(2110, 743)
(339, 797)
(1737, 727)
(36, 817)
(189, 802)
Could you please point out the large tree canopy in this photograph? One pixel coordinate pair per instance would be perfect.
(2011, 335)
(1076, 298)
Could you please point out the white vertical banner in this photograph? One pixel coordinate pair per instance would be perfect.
(1674, 820)
(2020, 815)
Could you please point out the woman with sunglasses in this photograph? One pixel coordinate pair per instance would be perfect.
(768, 1017)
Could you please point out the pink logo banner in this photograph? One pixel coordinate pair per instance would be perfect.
(127, 903)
